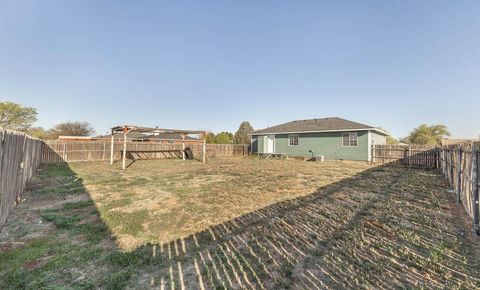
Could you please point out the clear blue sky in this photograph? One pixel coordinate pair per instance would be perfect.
(212, 64)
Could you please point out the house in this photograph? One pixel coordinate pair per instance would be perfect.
(76, 138)
(334, 138)
(455, 141)
(163, 138)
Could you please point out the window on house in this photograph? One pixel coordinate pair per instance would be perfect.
(293, 140)
(350, 139)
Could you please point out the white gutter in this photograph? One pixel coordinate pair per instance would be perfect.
(322, 131)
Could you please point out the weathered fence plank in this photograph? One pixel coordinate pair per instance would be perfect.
(19, 159)
(407, 156)
(460, 167)
(475, 189)
(61, 151)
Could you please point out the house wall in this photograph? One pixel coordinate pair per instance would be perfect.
(378, 139)
(260, 142)
(254, 144)
(328, 144)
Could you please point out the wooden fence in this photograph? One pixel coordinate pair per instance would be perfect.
(460, 165)
(61, 151)
(425, 157)
(20, 155)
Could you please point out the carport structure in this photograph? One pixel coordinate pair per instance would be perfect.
(131, 128)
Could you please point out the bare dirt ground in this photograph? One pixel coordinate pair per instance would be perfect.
(238, 223)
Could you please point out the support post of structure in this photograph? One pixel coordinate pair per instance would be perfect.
(111, 149)
(204, 147)
(183, 147)
(124, 155)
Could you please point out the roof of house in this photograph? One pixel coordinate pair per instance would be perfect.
(141, 136)
(141, 129)
(454, 141)
(75, 138)
(318, 125)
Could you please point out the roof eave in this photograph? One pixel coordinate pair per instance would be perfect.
(323, 131)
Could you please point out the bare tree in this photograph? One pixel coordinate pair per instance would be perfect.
(72, 129)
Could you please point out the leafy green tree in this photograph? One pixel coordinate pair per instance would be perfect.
(391, 140)
(428, 135)
(224, 138)
(16, 117)
(210, 138)
(72, 129)
(39, 132)
(241, 136)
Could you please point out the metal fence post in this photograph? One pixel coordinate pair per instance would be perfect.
(459, 175)
(475, 179)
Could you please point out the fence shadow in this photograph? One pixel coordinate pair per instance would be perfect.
(345, 235)
(383, 227)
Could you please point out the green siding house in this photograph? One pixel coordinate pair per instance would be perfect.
(334, 138)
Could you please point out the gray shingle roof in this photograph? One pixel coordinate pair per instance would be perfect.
(314, 125)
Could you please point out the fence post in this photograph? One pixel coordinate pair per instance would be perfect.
(452, 169)
(104, 149)
(475, 179)
(444, 163)
(459, 175)
(372, 154)
(405, 157)
(64, 152)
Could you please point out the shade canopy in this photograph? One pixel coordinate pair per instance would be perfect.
(131, 128)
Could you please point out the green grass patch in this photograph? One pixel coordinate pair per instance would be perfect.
(60, 220)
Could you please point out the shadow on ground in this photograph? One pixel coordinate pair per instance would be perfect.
(382, 228)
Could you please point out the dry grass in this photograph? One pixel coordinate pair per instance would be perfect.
(238, 223)
(163, 201)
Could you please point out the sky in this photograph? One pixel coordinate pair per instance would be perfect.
(212, 64)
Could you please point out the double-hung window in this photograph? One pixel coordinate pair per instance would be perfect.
(350, 139)
(293, 140)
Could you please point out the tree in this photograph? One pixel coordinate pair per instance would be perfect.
(16, 117)
(391, 140)
(210, 138)
(72, 129)
(224, 138)
(428, 135)
(241, 136)
(39, 132)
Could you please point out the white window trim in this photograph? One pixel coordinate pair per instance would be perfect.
(349, 139)
(292, 135)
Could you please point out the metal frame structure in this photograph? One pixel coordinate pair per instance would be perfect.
(129, 128)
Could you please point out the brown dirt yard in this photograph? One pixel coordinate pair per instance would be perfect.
(237, 223)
